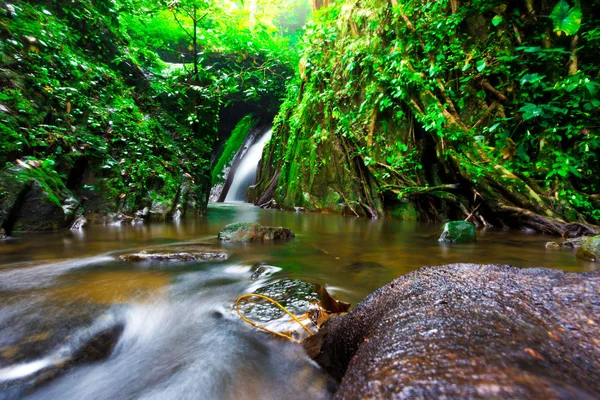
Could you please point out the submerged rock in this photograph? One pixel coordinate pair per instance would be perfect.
(310, 302)
(458, 232)
(469, 331)
(91, 345)
(79, 223)
(177, 253)
(253, 232)
(590, 249)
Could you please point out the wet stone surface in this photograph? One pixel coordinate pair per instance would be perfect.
(590, 249)
(252, 232)
(458, 232)
(177, 253)
(469, 331)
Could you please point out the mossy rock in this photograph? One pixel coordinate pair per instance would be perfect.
(33, 199)
(253, 232)
(38, 212)
(590, 249)
(177, 253)
(458, 232)
(404, 212)
(10, 189)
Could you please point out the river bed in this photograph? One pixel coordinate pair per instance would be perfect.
(181, 338)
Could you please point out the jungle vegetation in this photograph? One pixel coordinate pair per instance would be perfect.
(482, 110)
(121, 99)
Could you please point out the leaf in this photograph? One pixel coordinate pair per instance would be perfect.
(532, 78)
(481, 65)
(530, 111)
(497, 20)
(566, 19)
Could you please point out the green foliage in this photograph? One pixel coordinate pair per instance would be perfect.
(566, 20)
(486, 81)
(233, 144)
(114, 82)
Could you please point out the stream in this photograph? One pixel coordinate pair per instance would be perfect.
(180, 335)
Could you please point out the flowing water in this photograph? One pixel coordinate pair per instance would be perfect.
(180, 336)
(245, 174)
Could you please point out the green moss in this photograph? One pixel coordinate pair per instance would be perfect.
(51, 183)
(590, 249)
(458, 232)
(404, 212)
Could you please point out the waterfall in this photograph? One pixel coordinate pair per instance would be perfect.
(245, 175)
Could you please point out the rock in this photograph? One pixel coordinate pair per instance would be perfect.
(458, 232)
(552, 245)
(40, 211)
(403, 212)
(34, 199)
(71, 207)
(160, 210)
(469, 331)
(91, 345)
(258, 273)
(79, 224)
(574, 243)
(177, 253)
(311, 301)
(251, 232)
(590, 249)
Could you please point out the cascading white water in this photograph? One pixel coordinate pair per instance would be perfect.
(245, 175)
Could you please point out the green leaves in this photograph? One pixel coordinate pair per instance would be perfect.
(565, 18)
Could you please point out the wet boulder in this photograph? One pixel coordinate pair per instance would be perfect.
(253, 232)
(590, 249)
(34, 199)
(458, 232)
(469, 331)
(177, 253)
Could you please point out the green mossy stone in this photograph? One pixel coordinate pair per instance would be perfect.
(10, 189)
(590, 249)
(458, 232)
(253, 232)
(404, 212)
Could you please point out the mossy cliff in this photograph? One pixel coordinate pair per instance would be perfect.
(486, 110)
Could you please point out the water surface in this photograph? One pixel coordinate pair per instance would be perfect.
(181, 338)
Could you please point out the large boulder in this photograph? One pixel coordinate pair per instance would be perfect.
(34, 199)
(590, 249)
(458, 232)
(252, 232)
(469, 331)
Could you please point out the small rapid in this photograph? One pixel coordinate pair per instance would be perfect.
(245, 175)
(183, 343)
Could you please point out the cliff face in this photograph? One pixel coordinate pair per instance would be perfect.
(441, 110)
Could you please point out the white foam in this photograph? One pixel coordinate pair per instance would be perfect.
(24, 370)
